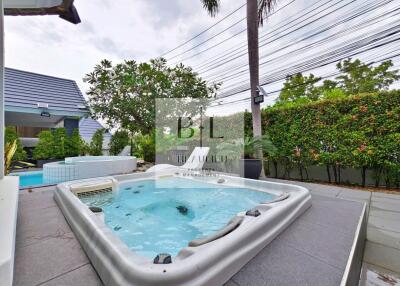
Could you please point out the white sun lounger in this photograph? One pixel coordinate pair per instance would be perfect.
(194, 162)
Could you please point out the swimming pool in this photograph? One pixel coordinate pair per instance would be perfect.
(168, 229)
(31, 179)
(163, 217)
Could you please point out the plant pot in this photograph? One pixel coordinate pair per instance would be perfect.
(250, 168)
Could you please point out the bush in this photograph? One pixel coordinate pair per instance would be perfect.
(96, 145)
(59, 143)
(361, 131)
(147, 147)
(118, 141)
(11, 136)
(73, 144)
(44, 148)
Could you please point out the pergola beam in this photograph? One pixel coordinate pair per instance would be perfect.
(64, 8)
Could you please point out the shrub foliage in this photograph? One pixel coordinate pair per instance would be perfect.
(361, 131)
(57, 145)
(9, 137)
(118, 141)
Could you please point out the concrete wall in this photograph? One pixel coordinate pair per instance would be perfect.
(319, 173)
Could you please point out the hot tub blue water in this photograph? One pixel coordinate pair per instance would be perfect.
(162, 217)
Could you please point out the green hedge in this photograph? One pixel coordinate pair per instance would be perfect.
(360, 131)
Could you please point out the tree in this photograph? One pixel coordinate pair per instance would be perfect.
(256, 12)
(45, 146)
(297, 86)
(118, 141)
(358, 77)
(124, 95)
(96, 145)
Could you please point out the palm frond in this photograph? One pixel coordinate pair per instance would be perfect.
(264, 8)
(212, 6)
(8, 155)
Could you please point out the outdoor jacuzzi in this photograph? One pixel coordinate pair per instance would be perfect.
(170, 229)
(75, 168)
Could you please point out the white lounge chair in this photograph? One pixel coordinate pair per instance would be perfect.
(126, 151)
(195, 161)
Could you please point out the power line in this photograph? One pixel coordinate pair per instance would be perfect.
(324, 77)
(272, 29)
(204, 31)
(307, 35)
(223, 41)
(342, 33)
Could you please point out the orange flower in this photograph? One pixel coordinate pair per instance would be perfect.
(362, 148)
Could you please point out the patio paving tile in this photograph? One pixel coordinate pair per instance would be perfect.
(40, 262)
(389, 221)
(36, 200)
(294, 268)
(383, 237)
(383, 256)
(84, 275)
(384, 195)
(386, 204)
(40, 225)
(325, 212)
(354, 195)
(314, 239)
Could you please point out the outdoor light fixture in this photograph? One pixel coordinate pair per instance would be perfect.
(260, 97)
(42, 105)
(45, 114)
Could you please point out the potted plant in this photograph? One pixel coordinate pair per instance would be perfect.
(249, 166)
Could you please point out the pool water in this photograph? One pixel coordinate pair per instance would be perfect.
(162, 217)
(30, 179)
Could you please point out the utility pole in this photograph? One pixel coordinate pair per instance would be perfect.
(252, 42)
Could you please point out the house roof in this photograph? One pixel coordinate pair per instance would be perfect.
(64, 8)
(24, 90)
(88, 126)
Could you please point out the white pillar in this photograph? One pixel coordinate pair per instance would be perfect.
(1, 90)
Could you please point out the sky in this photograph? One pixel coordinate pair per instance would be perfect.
(133, 29)
(143, 29)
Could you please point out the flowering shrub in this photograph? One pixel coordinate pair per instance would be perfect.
(361, 131)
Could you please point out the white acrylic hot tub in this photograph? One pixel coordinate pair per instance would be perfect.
(208, 261)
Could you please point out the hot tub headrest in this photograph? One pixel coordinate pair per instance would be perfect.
(231, 226)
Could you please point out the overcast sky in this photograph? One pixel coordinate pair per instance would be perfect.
(131, 29)
(144, 29)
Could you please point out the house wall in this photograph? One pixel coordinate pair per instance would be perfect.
(70, 124)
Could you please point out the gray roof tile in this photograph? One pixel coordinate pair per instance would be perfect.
(26, 89)
(88, 126)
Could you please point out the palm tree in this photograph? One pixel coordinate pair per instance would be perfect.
(257, 10)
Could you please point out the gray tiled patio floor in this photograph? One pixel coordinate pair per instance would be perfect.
(312, 251)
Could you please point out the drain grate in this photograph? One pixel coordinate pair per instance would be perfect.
(86, 194)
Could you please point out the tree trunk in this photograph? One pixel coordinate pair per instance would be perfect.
(329, 173)
(363, 175)
(378, 173)
(252, 43)
(335, 173)
(276, 168)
